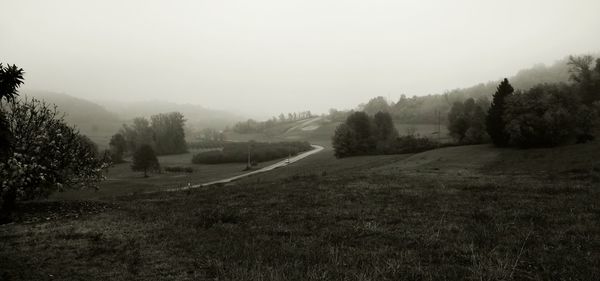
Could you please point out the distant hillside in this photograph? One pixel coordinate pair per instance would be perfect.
(101, 121)
(92, 119)
(424, 109)
(197, 116)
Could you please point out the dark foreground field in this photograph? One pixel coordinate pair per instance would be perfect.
(441, 215)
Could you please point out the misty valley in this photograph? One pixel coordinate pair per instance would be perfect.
(292, 140)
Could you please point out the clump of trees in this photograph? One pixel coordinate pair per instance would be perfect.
(242, 152)
(466, 122)
(548, 114)
(164, 133)
(41, 154)
(362, 134)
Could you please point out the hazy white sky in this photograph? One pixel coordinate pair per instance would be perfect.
(270, 56)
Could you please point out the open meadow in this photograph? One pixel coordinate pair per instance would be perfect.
(457, 213)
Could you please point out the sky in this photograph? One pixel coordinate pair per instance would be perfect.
(263, 57)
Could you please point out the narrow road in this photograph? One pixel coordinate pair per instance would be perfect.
(283, 163)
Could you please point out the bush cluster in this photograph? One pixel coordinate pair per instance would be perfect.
(237, 152)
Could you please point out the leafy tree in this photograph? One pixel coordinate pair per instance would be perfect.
(168, 132)
(458, 123)
(586, 77)
(118, 146)
(47, 155)
(144, 159)
(466, 122)
(344, 141)
(138, 134)
(360, 123)
(495, 123)
(384, 126)
(376, 104)
(384, 132)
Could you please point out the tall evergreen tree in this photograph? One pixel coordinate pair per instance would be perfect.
(495, 123)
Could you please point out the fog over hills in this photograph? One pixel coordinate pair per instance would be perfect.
(196, 115)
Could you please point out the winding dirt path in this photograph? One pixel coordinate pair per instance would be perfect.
(283, 163)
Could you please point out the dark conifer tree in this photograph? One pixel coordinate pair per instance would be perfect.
(495, 123)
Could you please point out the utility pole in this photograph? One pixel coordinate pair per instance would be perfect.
(248, 165)
(439, 113)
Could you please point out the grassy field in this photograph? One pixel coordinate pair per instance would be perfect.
(457, 213)
(121, 180)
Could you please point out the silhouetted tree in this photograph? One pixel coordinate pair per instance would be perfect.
(144, 159)
(495, 122)
(11, 78)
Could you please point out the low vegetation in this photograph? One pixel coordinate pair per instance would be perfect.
(242, 152)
